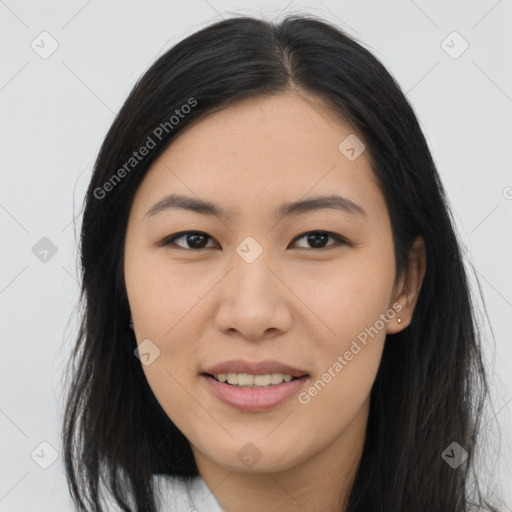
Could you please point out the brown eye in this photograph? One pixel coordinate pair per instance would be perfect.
(193, 239)
(318, 239)
(197, 240)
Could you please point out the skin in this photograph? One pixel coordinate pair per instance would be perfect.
(295, 303)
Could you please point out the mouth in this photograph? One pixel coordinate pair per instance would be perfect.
(256, 369)
(252, 397)
(248, 381)
(252, 387)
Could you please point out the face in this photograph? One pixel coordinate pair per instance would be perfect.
(312, 289)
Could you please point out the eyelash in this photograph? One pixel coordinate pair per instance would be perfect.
(169, 241)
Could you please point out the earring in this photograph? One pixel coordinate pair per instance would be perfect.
(399, 320)
(130, 323)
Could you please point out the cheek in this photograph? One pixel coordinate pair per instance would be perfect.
(161, 293)
(351, 303)
(350, 296)
(349, 352)
(173, 392)
(342, 297)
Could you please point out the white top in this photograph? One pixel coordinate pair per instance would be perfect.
(175, 495)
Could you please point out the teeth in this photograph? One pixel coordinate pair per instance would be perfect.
(253, 381)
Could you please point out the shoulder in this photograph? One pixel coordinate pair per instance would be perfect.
(184, 495)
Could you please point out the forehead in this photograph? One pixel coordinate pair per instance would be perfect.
(263, 150)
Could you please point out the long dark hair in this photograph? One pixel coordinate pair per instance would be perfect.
(431, 385)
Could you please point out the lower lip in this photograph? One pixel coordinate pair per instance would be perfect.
(253, 400)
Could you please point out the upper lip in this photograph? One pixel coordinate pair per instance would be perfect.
(254, 368)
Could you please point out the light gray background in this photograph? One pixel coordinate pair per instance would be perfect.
(55, 112)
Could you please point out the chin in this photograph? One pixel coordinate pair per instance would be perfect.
(258, 456)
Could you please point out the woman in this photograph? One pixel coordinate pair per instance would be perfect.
(277, 314)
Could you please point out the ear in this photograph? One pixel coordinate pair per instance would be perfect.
(407, 291)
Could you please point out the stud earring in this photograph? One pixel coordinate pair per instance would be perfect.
(399, 320)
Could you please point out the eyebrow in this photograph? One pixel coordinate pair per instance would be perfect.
(336, 202)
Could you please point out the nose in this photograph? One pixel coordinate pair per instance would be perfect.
(253, 301)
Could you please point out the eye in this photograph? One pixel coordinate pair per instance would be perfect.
(198, 239)
(318, 238)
